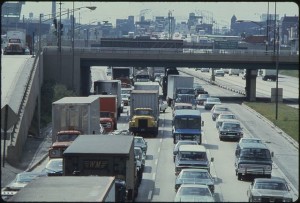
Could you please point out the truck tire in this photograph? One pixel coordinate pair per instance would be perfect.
(239, 176)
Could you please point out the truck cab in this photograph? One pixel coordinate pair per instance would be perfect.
(187, 125)
(63, 140)
(108, 121)
(143, 121)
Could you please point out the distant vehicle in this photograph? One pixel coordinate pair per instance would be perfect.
(182, 142)
(54, 167)
(273, 189)
(217, 110)
(226, 71)
(204, 70)
(219, 73)
(125, 99)
(269, 74)
(195, 176)
(199, 90)
(22, 179)
(233, 71)
(163, 105)
(231, 129)
(224, 116)
(193, 193)
(141, 142)
(210, 102)
(201, 98)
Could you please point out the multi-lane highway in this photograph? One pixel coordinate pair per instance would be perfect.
(159, 177)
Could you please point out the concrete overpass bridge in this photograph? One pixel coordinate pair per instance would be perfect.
(72, 68)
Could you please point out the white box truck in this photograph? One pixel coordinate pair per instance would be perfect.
(75, 114)
(177, 81)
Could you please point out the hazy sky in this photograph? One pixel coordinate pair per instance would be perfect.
(221, 12)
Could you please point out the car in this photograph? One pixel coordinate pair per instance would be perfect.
(226, 71)
(201, 98)
(182, 142)
(163, 105)
(193, 193)
(141, 142)
(210, 102)
(219, 73)
(192, 156)
(199, 90)
(54, 167)
(204, 70)
(22, 179)
(273, 189)
(125, 99)
(247, 140)
(181, 105)
(231, 129)
(217, 110)
(219, 122)
(224, 115)
(195, 176)
(140, 156)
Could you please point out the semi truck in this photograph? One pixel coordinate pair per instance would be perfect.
(102, 155)
(124, 74)
(72, 116)
(144, 112)
(16, 42)
(155, 71)
(268, 74)
(70, 189)
(146, 86)
(177, 81)
(110, 87)
(108, 112)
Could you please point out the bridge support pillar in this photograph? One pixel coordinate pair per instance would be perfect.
(250, 88)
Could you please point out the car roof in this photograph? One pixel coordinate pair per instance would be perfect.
(226, 120)
(252, 145)
(183, 112)
(272, 179)
(194, 185)
(252, 139)
(194, 148)
(231, 121)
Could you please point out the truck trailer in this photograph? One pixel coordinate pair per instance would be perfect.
(102, 155)
(124, 74)
(75, 114)
(144, 112)
(69, 189)
(177, 81)
(110, 87)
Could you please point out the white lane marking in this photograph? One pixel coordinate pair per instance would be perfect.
(160, 140)
(156, 161)
(149, 195)
(158, 150)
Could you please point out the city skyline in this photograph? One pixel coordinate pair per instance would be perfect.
(220, 12)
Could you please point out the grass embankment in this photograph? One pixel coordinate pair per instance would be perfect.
(292, 73)
(287, 117)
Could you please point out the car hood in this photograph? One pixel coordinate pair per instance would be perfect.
(274, 193)
(194, 198)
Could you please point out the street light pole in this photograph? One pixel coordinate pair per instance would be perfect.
(73, 30)
(39, 78)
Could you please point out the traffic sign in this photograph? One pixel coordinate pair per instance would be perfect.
(8, 114)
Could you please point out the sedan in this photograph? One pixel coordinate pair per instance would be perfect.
(205, 70)
(273, 189)
(231, 129)
(182, 142)
(193, 193)
(140, 142)
(201, 98)
(54, 167)
(195, 176)
(22, 179)
(210, 102)
(222, 116)
(217, 110)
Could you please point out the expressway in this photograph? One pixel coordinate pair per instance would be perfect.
(159, 178)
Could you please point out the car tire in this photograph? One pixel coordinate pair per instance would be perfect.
(239, 176)
(164, 111)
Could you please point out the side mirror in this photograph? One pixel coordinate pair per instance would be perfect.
(212, 159)
(202, 123)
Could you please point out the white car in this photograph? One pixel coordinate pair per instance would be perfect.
(163, 106)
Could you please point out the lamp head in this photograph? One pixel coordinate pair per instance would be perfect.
(91, 7)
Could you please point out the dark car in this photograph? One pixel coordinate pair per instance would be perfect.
(210, 102)
(182, 142)
(273, 189)
(54, 167)
(199, 90)
(231, 129)
(201, 98)
(195, 176)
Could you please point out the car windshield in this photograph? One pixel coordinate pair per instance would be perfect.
(187, 123)
(213, 99)
(66, 137)
(138, 141)
(194, 191)
(199, 156)
(203, 96)
(227, 116)
(231, 126)
(255, 154)
(270, 186)
(185, 143)
(143, 112)
(219, 108)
